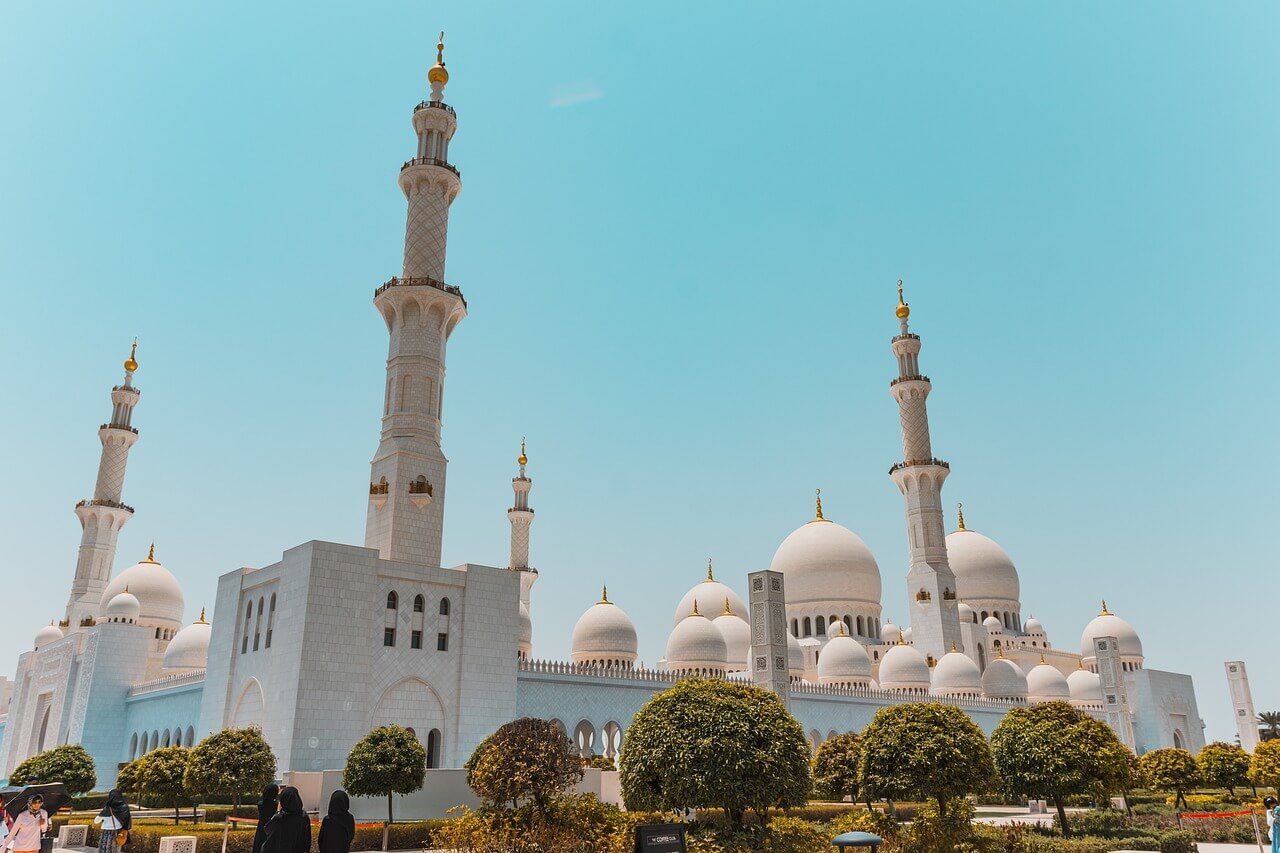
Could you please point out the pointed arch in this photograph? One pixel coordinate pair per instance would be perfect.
(250, 707)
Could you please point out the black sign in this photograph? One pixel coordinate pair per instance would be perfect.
(660, 838)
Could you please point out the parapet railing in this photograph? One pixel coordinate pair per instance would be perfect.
(804, 688)
(420, 281)
(133, 430)
(431, 161)
(551, 667)
(914, 377)
(114, 504)
(167, 681)
(435, 105)
(912, 463)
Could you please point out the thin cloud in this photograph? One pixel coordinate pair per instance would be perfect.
(577, 93)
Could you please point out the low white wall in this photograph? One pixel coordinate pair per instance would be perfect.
(310, 785)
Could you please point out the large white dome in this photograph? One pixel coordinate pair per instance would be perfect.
(1085, 686)
(710, 594)
(1004, 679)
(157, 591)
(696, 645)
(983, 570)
(843, 660)
(737, 638)
(1107, 624)
(904, 668)
(50, 633)
(189, 648)
(1046, 684)
(604, 635)
(956, 675)
(826, 563)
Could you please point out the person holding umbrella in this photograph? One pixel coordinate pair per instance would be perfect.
(28, 827)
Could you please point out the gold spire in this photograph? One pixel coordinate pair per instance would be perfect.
(131, 363)
(151, 554)
(201, 621)
(999, 651)
(710, 577)
(126, 587)
(1042, 657)
(522, 459)
(953, 647)
(1105, 611)
(695, 608)
(604, 595)
(960, 512)
(903, 310)
(728, 611)
(438, 74)
(1080, 663)
(817, 499)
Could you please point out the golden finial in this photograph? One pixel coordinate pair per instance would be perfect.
(999, 651)
(522, 459)
(953, 647)
(1042, 657)
(604, 595)
(728, 611)
(695, 608)
(817, 499)
(131, 363)
(960, 512)
(438, 74)
(1105, 611)
(1080, 663)
(903, 311)
(201, 621)
(710, 577)
(126, 587)
(151, 554)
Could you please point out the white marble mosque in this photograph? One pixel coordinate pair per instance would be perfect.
(332, 640)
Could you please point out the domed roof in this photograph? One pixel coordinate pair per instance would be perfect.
(956, 675)
(1046, 684)
(50, 633)
(737, 637)
(843, 660)
(904, 668)
(795, 657)
(526, 629)
(1085, 686)
(993, 624)
(890, 633)
(189, 648)
(965, 611)
(157, 591)
(696, 643)
(604, 632)
(908, 634)
(826, 562)
(983, 570)
(1032, 626)
(708, 594)
(123, 607)
(1107, 624)
(1003, 679)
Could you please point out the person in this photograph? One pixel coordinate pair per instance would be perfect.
(113, 818)
(267, 808)
(289, 831)
(338, 828)
(33, 822)
(1270, 804)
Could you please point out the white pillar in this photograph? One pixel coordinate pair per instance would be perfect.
(1242, 704)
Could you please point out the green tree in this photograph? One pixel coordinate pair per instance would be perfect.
(835, 767)
(71, 765)
(1264, 765)
(1223, 765)
(710, 743)
(599, 762)
(127, 778)
(1269, 722)
(1170, 769)
(1055, 751)
(527, 759)
(230, 763)
(385, 762)
(162, 775)
(924, 750)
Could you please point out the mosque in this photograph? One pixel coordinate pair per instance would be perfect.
(332, 640)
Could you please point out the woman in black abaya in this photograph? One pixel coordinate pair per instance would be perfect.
(290, 830)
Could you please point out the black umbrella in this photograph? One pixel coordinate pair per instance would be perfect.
(55, 797)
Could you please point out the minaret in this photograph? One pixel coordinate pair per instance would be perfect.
(521, 518)
(406, 490)
(103, 515)
(931, 585)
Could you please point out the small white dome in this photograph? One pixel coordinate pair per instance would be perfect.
(605, 635)
(1003, 679)
(795, 657)
(124, 607)
(843, 660)
(50, 633)
(157, 590)
(737, 639)
(983, 570)
(1046, 684)
(1085, 686)
(1107, 624)
(526, 630)
(904, 668)
(956, 675)
(908, 634)
(709, 594)
(965, 611)
(890, 633)
(696, 644)
(1033, 626)
(827, 566)
(189, 648)
(993, 624)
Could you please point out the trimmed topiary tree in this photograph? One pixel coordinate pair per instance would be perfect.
(527, 760)
(71, 765)
(1173, 770)
(1264, 764)
(127, 778)
(161, 776)
(230, 763)
(710, 743)
(1055, 751)
(1223, 765)
(387, 761)
(835, 767)
(599, 762)
(924, 750)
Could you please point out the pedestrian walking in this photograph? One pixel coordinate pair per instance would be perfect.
(290, 830)
(267, 808)
(115, 822)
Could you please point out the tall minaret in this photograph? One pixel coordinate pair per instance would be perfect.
(931, 585)
(521, 517)
(103, 515)
(406, 491)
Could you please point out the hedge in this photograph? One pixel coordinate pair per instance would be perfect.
(145, 835)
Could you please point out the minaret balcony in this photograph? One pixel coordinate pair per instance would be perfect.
(124, 427)
(435, 105)
(421, 281)
(106, 503)
(905, 336)
(919, 463)
(915, 377)
(520, 509)
(431, 161)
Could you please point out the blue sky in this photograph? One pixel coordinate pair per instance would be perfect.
(679, 235)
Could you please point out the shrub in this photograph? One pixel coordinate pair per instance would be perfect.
(71, 765)
(1224, 765)
(835, 767)
(524, 760)
(599, 762)
(862, 820)
(1264, 766)
(941, 828)
(160, 775)
(387, 761)
(1099, 822)
(1170, 769)
(794, 835)
(231, 763)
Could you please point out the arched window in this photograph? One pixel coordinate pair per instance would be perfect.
(164, 738)
(444, 607)
(133, 746)
(257, 626)
(985, 614)
(271, 618)
(795, 628)
(393, 600)
(821, 624)
(433, 748)
(848, 623)
(191, 736)
(808, 627)
(419, 604)
(860, 627)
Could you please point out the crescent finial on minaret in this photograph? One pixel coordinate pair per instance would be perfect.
(522, 458)
(438, 76)
(817, 500)
(903, 310)
(131, 363)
